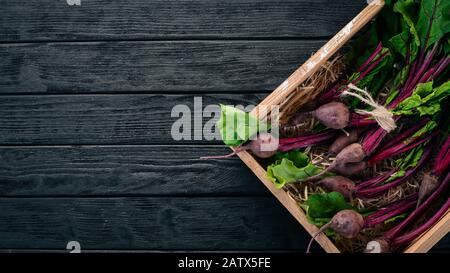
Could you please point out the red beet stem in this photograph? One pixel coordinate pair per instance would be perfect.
(371, 57)
(391, 234)
(412, 235)
(399, 148)
(373, 138)
(288, 144)
(441, 68)
(358, 120)
(394, 212)
(407, 133)
(364, 69)
(421, 70)
(376, 191)
(370, 68)
(290, 140)
(442, 161)
(375, 180)
(394, 205)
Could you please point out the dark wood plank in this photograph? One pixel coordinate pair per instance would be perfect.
(102, 119)
(150, 66)
(123, 171)
(221, 223)
(258, 223)
(143, 19)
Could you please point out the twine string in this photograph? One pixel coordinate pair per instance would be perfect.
(382, 115)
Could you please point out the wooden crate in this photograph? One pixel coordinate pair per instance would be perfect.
(282, 92)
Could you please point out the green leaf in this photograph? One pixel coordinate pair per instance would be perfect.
(395, 175)
(237, 126)
(433, 22)
(407, 9)
(391, 96)
(395, 218)
(447, 46)
(321, 207)
(399, 43)
(428, 127)
(291, 167)
(424, 100)
(410, 160)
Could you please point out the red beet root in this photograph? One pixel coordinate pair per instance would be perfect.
(377, 246)
(335, 115)
(264, 146)
(349, 169)
(343, 141)
(428, 185)
(348, 223)
(339, 184)
(351, 154)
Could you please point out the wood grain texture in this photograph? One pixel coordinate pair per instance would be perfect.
(142, 19)
(161, 66)
(123, 171)
(105, 119)
(257, 223)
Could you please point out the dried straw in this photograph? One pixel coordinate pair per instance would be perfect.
(309, 89)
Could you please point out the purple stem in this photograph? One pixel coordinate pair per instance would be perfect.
(370, 68)
(371, 57)
(391, 234)
(290, 140)
(375, 180)
(407, 133)
(442, 161)
(441, 68)
(288, 144)
(422, 69)
(399, 148)
(392, 206)
(409, 237)
(401, 209)
(376, 191)
(358, 120)
(337, 89)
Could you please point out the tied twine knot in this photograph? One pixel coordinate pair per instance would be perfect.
(382, 115)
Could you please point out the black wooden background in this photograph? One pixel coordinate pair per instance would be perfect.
(85, 99)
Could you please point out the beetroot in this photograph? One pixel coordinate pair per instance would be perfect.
(377, 246)
(353, 153)
(428, 185)
(339, 184)
(347, 223)
(350, 154)
(264, 146)
(430, 180)
(351, 169)
(335, 115)
(393, 237)
(343, 141)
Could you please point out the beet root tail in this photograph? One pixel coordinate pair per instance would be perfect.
(321, 230)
